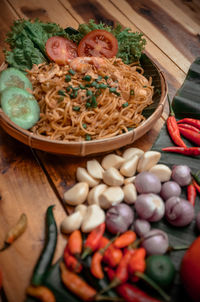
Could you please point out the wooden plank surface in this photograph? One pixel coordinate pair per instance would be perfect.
(30, 181)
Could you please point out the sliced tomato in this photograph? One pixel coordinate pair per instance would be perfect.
(60, 50)
(98, 43)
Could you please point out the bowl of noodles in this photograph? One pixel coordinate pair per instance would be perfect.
(92, 105)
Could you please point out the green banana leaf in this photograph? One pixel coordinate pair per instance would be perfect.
(186, 102)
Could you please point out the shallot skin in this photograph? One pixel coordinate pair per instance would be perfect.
(182, 175)
(147, 182)
(179, 212)
(155, 242)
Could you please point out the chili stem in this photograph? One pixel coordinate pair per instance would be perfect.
(153, 284)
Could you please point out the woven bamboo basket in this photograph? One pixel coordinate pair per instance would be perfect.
(84, 148)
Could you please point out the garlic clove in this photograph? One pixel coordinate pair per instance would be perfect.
(95, 169)
(163, 172)
(112, 160)
(93, 196)
(112, 177)
(83, 176)
(77, 194)
(111, 197)
(148, 160)
(129, 180)
(71, 223)
(131, 152)
(82, 208)
(94, 217)
(129, 167)
(130, 193)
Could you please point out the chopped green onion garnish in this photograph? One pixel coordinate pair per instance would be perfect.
(94, 84)
(84, 126)
(88, 137)
(72, 72)
(67, 78)
(112, 89)
(87, 78)
(99, 78)
(125, 105)
(98, 92)
(102, 86)
(74, 95)
(76, 108)
(76, 88)
(61, 92)
(144, 86)
(94, 102)
(81, 86)
(106, 77)
(129, 128)
(87, 105)
(60, 99)
(87, 85)
(68, 88)
(132, 92)
(89, 93)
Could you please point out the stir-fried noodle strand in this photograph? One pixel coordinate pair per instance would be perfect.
(89, 98)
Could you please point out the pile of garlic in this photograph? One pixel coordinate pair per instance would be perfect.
(100, 186)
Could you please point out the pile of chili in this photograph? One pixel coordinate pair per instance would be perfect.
(192, 151)
(190, 121)
(191, 135)
(191, 193)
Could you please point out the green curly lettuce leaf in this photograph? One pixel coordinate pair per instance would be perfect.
(27, 41)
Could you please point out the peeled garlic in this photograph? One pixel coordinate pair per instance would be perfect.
(131, 152)
(130, 193)
(129, 180)
(83, 176)
(82, 208)
(77, 194)
(163, 172)
(95, 169)
(94, 217)
(93, 196)
(148, 160)
(129, 167)
(71, 223)
(112, 160)
(111, 197)
(112, 177)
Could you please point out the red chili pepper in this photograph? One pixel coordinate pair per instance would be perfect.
(75, 243)
(197, 187)
(190, 135)
(137, 263)
(173, 129)
(192, 151)
(191, 121)
(112, 256)
(103, 242)
(130, 292)
(71, 262)
(125, 239)
(96, 268)
(93, 239)
(191, 193)
(190, 127)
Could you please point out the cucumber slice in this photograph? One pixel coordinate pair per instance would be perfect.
(20, 106)
(12, 77)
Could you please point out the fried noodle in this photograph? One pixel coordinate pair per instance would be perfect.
(89, 98)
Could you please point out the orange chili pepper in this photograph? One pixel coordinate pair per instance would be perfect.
(75, 243)
(137, 263)
(71, 262)
(125, 239)
(77, 285)
(103, 242)
(112, 256)
(93, 240)
(42, 293)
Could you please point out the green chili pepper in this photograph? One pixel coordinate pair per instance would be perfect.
(47, 254)
(160, 269)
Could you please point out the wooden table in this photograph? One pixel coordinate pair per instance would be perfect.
(31, 180)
